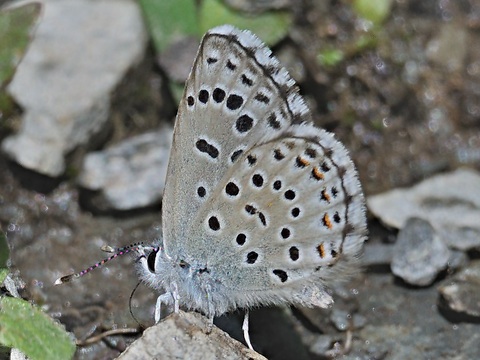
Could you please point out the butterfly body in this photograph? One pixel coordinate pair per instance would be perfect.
(260, 206)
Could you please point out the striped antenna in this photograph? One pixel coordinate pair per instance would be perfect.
(116, 252)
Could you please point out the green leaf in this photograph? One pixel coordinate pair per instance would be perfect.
(16, 25)
(270, 26)
(27, 328)
(375, 11)
(169, 19)
(3, 275)
(331, 57)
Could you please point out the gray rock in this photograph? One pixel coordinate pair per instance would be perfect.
(319, 318)
(461, 295)
(80, 52)
(461, 237)
(457, 259)
(340, 319)
(359, 321)
(419, 253)
(322, 344)
(187, 336)
(343, 320)
(449, 202)
(131, 174)
(12, 284)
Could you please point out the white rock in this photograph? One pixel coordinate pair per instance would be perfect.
(420, 255)
(80, 52)
(449, 202)
(187, 336)
(131, 174)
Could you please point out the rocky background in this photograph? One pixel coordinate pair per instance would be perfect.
(84, 157)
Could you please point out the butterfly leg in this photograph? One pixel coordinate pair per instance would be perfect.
(245, 329)
(167, 298)
(162, 299)
(176, 297)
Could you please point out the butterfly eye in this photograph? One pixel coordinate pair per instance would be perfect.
(183, 264)
(151, 261)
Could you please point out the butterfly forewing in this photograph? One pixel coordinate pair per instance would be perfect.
(237, 96)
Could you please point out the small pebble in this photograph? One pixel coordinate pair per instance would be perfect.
(419, 253)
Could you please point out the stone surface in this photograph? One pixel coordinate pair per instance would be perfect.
(461, 295)
(450, 202)
(131, 174)
(187, 336)
(457, 259)
(419, 253)
(343, 320)
(399, 316)
(321, 345)
(80, 52)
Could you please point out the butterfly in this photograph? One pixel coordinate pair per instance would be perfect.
(261, 207)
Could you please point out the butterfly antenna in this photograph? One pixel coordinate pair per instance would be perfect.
(116, 252)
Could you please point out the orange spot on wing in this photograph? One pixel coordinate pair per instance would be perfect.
(304, 161)
(321, 250)
(325, 195)
(317, 174)
(326, 221)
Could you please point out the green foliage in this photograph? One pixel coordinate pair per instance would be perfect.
(330, 57)
(169, 19)
(3, 275)
(270, 26)
(27, 328)
(375, 11)
(16, 25)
